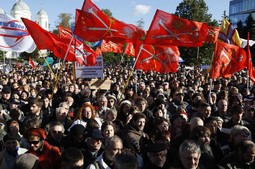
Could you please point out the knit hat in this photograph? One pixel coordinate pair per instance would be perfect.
(38, 132)
(26, 161)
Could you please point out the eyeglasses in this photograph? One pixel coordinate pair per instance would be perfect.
(33, 142)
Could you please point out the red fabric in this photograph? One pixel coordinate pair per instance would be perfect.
(168, 29)
(227, 60)
(31, 62)
(213, 33)
(84, 54)
(94, 25)
(49, 157)
(111, 47)
(129, 49)
(250, 66)
(50, 41)
(157, 58)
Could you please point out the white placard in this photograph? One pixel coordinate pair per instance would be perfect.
(90, 71)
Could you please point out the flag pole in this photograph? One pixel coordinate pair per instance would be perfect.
(197, 57)
(248, 75)
(63, 63)
(40, 53)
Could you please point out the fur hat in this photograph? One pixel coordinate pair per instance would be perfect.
(38, 132)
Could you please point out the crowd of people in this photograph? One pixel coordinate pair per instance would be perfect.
(146, 120)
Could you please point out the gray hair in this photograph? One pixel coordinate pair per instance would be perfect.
(190, 146)
(112, 140)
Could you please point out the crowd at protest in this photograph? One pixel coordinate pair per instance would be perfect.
(146, 120)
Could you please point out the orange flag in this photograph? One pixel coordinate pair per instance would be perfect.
(157, 58)
(227, 60)
(213, 33)
(168, 29)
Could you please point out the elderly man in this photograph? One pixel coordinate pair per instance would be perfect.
(113, 147)
(157, 155)
(189, 154)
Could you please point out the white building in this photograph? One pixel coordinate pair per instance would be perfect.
(21, 10)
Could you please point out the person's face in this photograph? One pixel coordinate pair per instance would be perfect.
(190, 160)
(104, 102)
(114, 150)
(212, 126)
(142, 106)
(14, 127)
(206, 111)
(237, 117)
(11, 145)
(6, 96)
(158, 159)
(35, 143)
(140, 123)
(71, 88)
(87, 112)
(222, 106)
(164, 126)
(34, 109)
(159, 113)
(179, 97)
(111, 102)
(46, 102)
(126, 108)
(108, 131)
(240, 138)
(109, 116)
(95, 144)
(56, 132)
(23, 96)
(204, 140)
(61, 115)
(248, 156)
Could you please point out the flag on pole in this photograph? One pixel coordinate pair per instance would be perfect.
(14, 36)
(84, 54)
(229, 34)
(227, 60)
(168, 29)
(159, 58)
(50, 41)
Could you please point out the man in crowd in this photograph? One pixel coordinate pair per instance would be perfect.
(113, 147)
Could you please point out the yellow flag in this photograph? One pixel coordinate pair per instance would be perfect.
(229, 34)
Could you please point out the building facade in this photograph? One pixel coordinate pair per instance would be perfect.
(240, 9)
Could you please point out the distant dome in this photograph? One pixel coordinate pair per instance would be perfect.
(16, 7)
(20, 5)
(2, 11)
(23, 5)
(41, 12)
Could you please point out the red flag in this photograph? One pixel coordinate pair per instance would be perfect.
(157, 58)
(168, 29)
(213, 33)
(227, 60)
(111, 47)
(31, 62)
(129, 49)
(94, 25)
(250, 66)
(84, 54)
